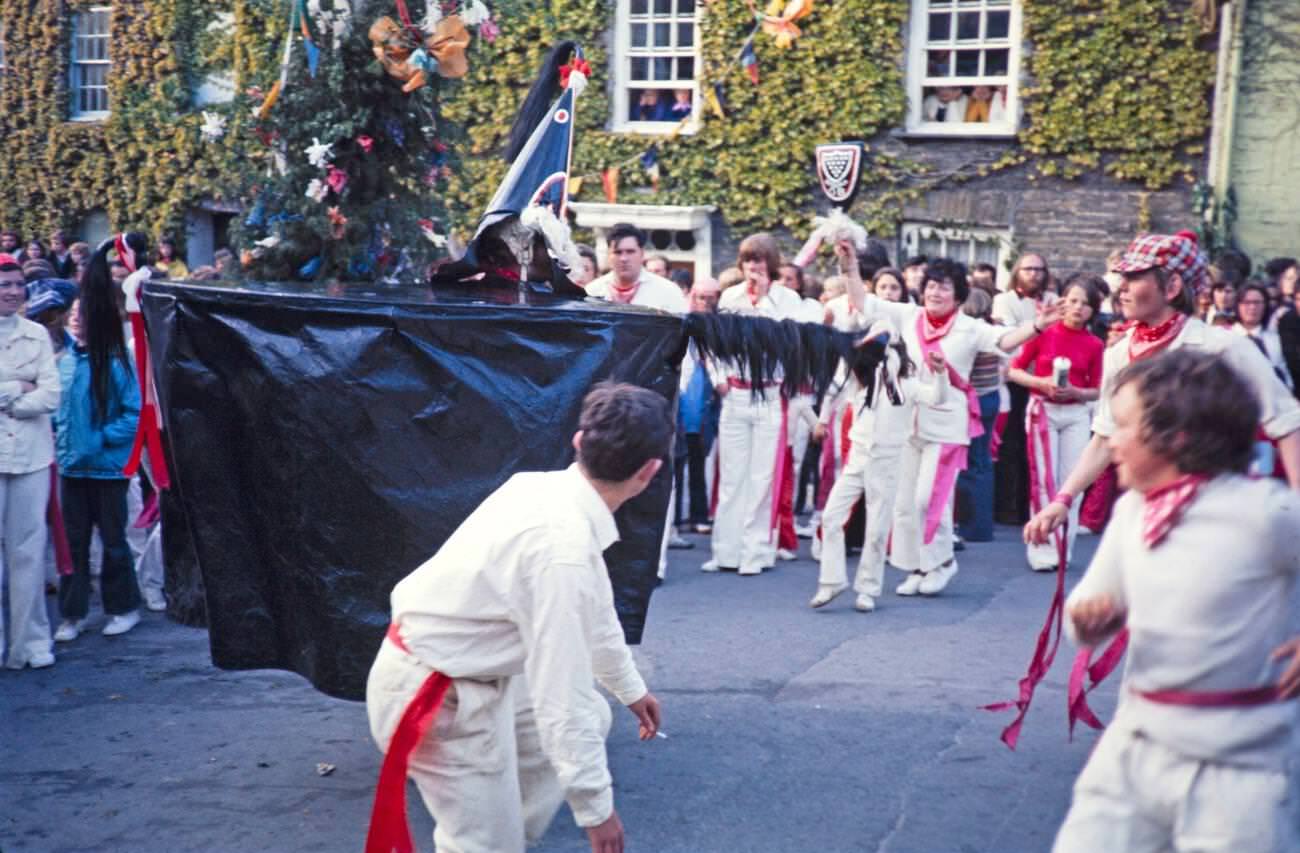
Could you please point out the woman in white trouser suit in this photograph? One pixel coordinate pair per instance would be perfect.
(750, 439)
(1058, 420)
(884, 409)
(936, 450)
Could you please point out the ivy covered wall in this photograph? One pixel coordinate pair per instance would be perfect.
(1114, 90)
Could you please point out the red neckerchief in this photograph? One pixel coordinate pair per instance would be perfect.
(623, 295)
(1164, 507)
(932, 330)
(1153, 340)
(754, 298)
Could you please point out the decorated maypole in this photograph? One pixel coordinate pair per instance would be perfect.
(354, 160)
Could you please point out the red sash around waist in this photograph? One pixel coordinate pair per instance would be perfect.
(389, 831)
(1246, 698)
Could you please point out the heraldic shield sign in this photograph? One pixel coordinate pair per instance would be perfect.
(839, 166)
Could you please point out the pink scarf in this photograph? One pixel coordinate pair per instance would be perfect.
(623, 295)
(1163, 507)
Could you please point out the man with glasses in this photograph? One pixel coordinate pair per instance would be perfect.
(1021, 303)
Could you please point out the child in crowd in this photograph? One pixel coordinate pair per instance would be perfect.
(1199, 567)
(1059, 415)
(96, 425)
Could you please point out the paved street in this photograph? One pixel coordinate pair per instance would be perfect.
(789, 730)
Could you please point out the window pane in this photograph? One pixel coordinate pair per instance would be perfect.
(968, 26)
(685, 35)
(968, 63)
(995, 62)
(663, 7)
(640, 68)
(663, 35)
(999, 25)
(939, 63)
(638, 35)
(663, 68)
(986, 252)
(940, 26)
(931, 247)
(685, 68)
(640, 7)
(685, 7)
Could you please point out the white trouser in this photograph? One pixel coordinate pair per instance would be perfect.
(1138, 796)
(1069, 429)
(23, 499)
(149, 568)
(873, 473)
(668, 534)
(917, 470)
(481, 770)
(749, 431)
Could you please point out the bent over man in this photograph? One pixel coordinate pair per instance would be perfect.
(506, 629)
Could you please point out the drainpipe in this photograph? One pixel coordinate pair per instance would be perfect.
(1218, 172)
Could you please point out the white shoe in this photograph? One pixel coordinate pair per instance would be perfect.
(934, 582)
(911, 584)
(68, 631)
(710, 566)
(155, 600)
(806, 531)
(121, 623)
(42, 660)
(826, 593)
(751, 570)
(786, 554)
(864, 603)
(816, 548)
(1034, 568)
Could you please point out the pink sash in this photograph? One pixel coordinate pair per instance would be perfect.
(952, 457)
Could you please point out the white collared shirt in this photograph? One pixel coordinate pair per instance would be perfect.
(652, 291)
(779, 303)
(1279, 412)
(1013, 310)
(521, 587)
(26, 438)
(1206, 607)
(948, 422)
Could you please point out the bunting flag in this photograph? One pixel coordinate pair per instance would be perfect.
(609, 183)
(749, 60)
(713, 98)
(309, 45)
(650, 162)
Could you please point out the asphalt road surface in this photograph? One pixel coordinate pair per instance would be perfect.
(789, 730)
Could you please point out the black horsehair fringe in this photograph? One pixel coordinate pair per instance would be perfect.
(798, 355)
(545, 89)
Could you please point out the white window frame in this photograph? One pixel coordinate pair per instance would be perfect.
(910, 234)
(621, 78)
(76, 63)
(697, 219)
(918, 81)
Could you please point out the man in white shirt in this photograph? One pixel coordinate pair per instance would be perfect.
(514, 616)
(751, 443)
(1161, 274)
(1019, 304)
(628, 281)
(1199, 566)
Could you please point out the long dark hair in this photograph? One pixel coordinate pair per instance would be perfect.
(101, 321)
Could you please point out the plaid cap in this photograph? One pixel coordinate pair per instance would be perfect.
(49, 294)
(1175, 253)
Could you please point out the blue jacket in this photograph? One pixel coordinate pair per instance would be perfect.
(697, 408)
(82, 447)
